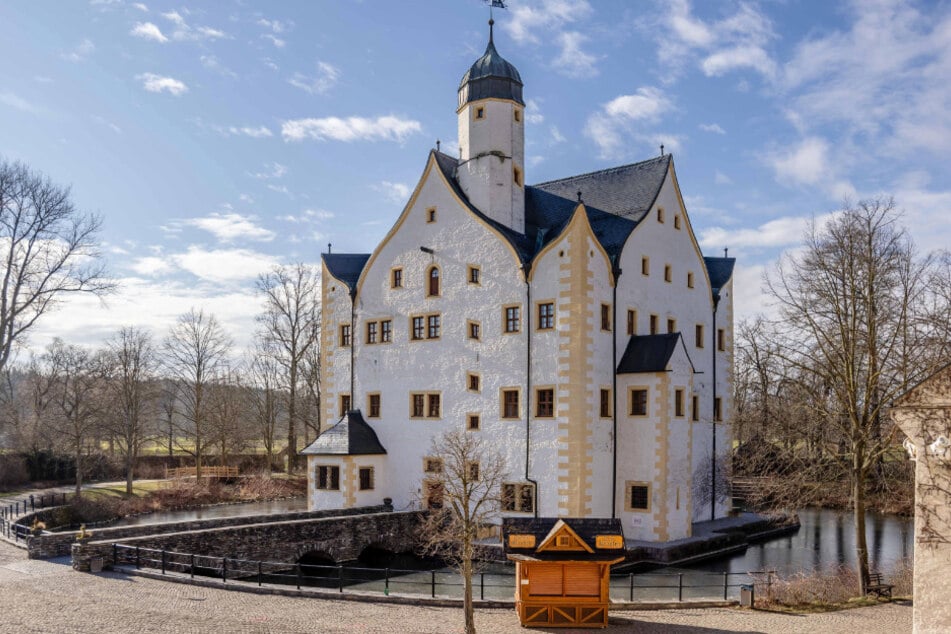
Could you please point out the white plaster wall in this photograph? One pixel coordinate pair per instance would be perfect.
(335, 311)
(637, 455)
(324, 499)
(403, 366)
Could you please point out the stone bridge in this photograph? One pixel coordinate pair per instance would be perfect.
(340, 538)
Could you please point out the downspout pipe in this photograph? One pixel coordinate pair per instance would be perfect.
(617, 274)
(526, 269)
(353, 343)
(713, 416)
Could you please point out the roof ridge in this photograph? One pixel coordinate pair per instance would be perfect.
(603, 171)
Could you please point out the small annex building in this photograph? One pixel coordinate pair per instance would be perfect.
(563, 569)
(574, 324)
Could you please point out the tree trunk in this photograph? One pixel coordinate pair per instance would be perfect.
(858, 502)
(79, 469)
(291, 419)
(129, 468)
(467, 596)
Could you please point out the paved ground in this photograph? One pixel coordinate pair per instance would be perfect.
(48, 597)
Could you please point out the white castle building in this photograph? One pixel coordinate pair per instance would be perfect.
(574, 324)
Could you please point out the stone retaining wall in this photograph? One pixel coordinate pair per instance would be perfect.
(342, 537)
(59, 544)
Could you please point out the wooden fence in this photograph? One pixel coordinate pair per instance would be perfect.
(206, 472)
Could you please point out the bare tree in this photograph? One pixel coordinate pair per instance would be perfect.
(470, 482)
(77, 382)
(195, 353)
(48, 251)
(266, 401)
(291, 320)
(848, 302)
(130, 364)
(228, 426)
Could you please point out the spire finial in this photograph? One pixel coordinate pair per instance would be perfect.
(491, 24)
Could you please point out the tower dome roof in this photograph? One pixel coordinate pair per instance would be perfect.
(491, 76)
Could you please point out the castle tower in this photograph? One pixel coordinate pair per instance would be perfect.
(492, 138)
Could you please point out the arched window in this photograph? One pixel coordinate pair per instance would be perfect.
(433, 282)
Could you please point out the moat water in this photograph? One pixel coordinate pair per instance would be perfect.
(212, 512)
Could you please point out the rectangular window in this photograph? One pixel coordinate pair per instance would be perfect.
(366, 478)
(473, 422)
(475, 330)
(668, 273)
(677, 222)
(396, 278)
(546, 315)
(605, 403)
(513, 319)
(606, 317)
(475, 275)
(518, 497)
(679, 403)
(689, 280)
(645, 265)
(660, 214)
(344, 404)
(432, 327)
(372, 327)
(639, 402)
(419, 330)
(698, 335)
(545, 403)
(717, 409)
(653, 324)
(638, 496)
(631, 322)
(344, 335)
(432, 465)
(386, 331)
(473, 468)
(480, 113)
(721, 339)
(517, 114)
(328, 477)
(474, 383)
(417, 405)
(517, 176)
(432, 406)
(671, 325)
(695, 408)
(431, 215)
(373, 406)
(509, 403)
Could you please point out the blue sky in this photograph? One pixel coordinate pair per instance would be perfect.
(220, 139)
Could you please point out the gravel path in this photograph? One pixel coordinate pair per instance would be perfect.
(48, 597)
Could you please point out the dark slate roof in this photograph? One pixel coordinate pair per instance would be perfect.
(648, 353)
(586, 528)
(720, 271)
(346, 267)
(352, 436)
(491, 76)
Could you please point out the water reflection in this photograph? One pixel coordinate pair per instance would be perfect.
(210, 512)
(826, 539)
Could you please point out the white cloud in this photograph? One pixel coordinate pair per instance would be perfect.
(81, 52)
(612, 127)
(273, 170)
(533, 112)
(528, 20)
(556, 136)
(213, 64)
(308, 216)
(260, 132)
(280, 189)
(712, 127)
(394, 192)
(275, 25)
(386, 128)
(109, 124)
(229, 227)
(324, 80)
(158, 83)
(152, 266)
(779, 232)
(735, 42)
(224, 265)
(19, 103)
(722, 179)
(148, 31)
(276, 41)
(806, 163)
(572, 60)
(182, 31)
(42, 79)
(141, 7)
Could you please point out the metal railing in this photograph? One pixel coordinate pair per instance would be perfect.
(655, 586)
(10, 512)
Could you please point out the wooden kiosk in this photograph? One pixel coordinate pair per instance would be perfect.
(562, 569)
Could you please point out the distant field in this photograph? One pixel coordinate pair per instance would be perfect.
(182, 447)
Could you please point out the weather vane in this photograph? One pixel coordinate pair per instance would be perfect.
(495, 4)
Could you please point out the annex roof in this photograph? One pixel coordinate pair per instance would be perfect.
(543, 531)
(346, 267)
(351, 436)
(720, 271)
(648, 353)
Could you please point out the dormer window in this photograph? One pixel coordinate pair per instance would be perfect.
(433, 288)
